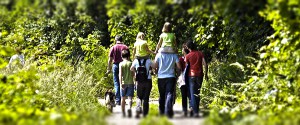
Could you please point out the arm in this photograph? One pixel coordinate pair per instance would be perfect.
(158, 45)
(178, 68)
(206, 68)
(175, 46)
(154, 66)
(120, 76)
(132, 68)
(109, 65)
(10, 62)
(22, 59)
(133, 77)
(148, 50)
(134, 51)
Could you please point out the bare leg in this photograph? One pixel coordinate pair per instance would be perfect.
(130, 102)
(130, 105)
(123, 105)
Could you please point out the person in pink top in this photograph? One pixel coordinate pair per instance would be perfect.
(195, 76)
(115, 57)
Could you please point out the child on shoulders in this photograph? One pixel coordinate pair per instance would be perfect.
(167, 41)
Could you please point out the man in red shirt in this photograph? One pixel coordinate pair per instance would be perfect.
(196, 61)
(115, 57)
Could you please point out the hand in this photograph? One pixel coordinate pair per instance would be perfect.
(206, 77)
(122, 86)
(107, 72)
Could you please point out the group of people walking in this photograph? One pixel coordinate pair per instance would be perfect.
(168, 66)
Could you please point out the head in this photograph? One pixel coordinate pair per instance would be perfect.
(167, 27)
(191, 45)
(18, 50)
(125, 54)
(140, 35)
(119, 38)
(185, 51)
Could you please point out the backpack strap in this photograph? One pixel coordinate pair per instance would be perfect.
(144, 62)
(139, 62)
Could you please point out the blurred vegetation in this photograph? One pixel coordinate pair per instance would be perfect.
(252, 49)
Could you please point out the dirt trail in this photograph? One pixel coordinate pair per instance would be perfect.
(117, 119)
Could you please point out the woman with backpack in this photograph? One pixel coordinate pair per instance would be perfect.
(142, 68)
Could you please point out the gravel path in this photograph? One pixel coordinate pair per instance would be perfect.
(117, 119)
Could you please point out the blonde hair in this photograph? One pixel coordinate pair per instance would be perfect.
(167, 27)
(140, 35)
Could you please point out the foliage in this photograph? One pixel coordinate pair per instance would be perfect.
(53, 94)
(271, 95)
(252, 49)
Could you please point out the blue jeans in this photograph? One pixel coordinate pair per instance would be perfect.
(195, 84)
(166, 93)
(115, 70)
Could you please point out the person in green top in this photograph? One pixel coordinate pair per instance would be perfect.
(167, 41)
(141, 49)
(126, 80)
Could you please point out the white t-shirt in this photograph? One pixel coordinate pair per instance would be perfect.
(17, 57)
(135, 64)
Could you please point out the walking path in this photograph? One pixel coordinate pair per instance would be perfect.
(117, 119)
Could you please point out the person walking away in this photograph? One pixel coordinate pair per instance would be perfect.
(19, 56)
(142, 68)
(167, 40)
(141, 49)
(126, 79)
(183, 85)
(165, 62)
(196, 60)
(115, 58)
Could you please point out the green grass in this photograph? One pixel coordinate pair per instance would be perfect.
(50, 94)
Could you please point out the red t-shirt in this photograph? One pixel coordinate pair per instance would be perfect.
(116, 52)
(195, 60)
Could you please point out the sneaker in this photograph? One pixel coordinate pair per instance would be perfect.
(185, 114)
(138, 112)
(124, 114)
(129, 113)
(137, 115)
(191, 112)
